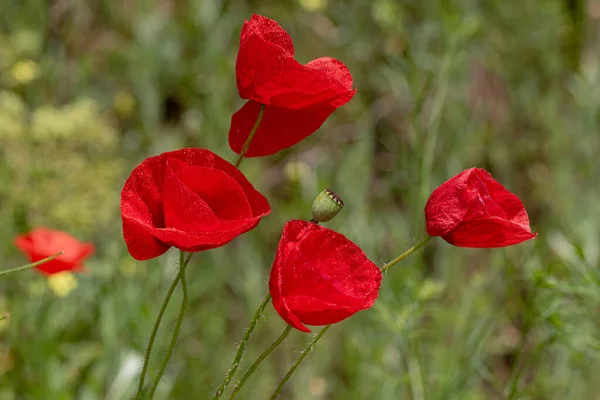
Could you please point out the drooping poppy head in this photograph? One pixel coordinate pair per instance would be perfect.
(319, 277)
(41, 243)
(297, 98)
(474, 210)
(191, 199)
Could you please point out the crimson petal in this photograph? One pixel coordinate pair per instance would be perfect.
(280, 128)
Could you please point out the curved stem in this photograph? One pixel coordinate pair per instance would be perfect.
(260, 359)
(240, 351)
(407, 253)
(305, 352)
(311, 345)
(250, 136)
(184, 303)
(161, 313)
(163, 308)
(27, 266)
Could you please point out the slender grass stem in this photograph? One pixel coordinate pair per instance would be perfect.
(296, 364)
(240, 351)
(184, 303)
(27, 266)
(407, 253)
(157, 323)
(259, 360)
(250, 136)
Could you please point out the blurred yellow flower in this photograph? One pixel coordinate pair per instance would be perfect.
(25, 71)
(313, 5)
(62, 283)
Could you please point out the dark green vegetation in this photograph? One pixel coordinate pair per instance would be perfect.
(90, 88)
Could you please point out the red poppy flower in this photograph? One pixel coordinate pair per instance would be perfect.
(319, 277)
(474, 210)
(191, 199)
(42, 242)
(298, 98)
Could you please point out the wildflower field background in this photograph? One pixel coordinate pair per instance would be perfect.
(90, 88)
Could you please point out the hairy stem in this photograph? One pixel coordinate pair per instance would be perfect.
(250, 136)
(184, 303)
(259, 360)
(407, 253)
(240, 351)
(296, 364)
(161, 313)
(27, 266)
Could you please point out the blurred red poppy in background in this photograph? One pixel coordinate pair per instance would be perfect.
(297, 98)
(42, 243)
(319, 277)
(474, 210)
(191, 199)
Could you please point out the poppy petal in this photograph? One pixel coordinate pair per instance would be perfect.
(141, 243)
(279, 129)
(265, 49)
(488, 233)
(447, 205)
(324, 80)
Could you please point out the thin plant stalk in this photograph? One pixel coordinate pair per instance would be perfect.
(250, 136)
(184, 303)
(296, 364)
(240, 350)
(27, 266)
(259, 360)
(407, 253)
(157, 323)
(318, 337)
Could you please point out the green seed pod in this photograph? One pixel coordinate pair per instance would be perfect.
(326, 206)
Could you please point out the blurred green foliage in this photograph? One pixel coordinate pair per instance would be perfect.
(90, 88)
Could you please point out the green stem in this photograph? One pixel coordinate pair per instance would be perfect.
(242, 347)
(161, 313)
(184, 303)
(35, 264)
(312, 344)
(252, 133)
(305, 352)
(260, 359)
(407, 253)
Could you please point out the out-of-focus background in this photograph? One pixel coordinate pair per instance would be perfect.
(90, 88)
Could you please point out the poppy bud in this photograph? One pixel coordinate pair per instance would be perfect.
(326, 206)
